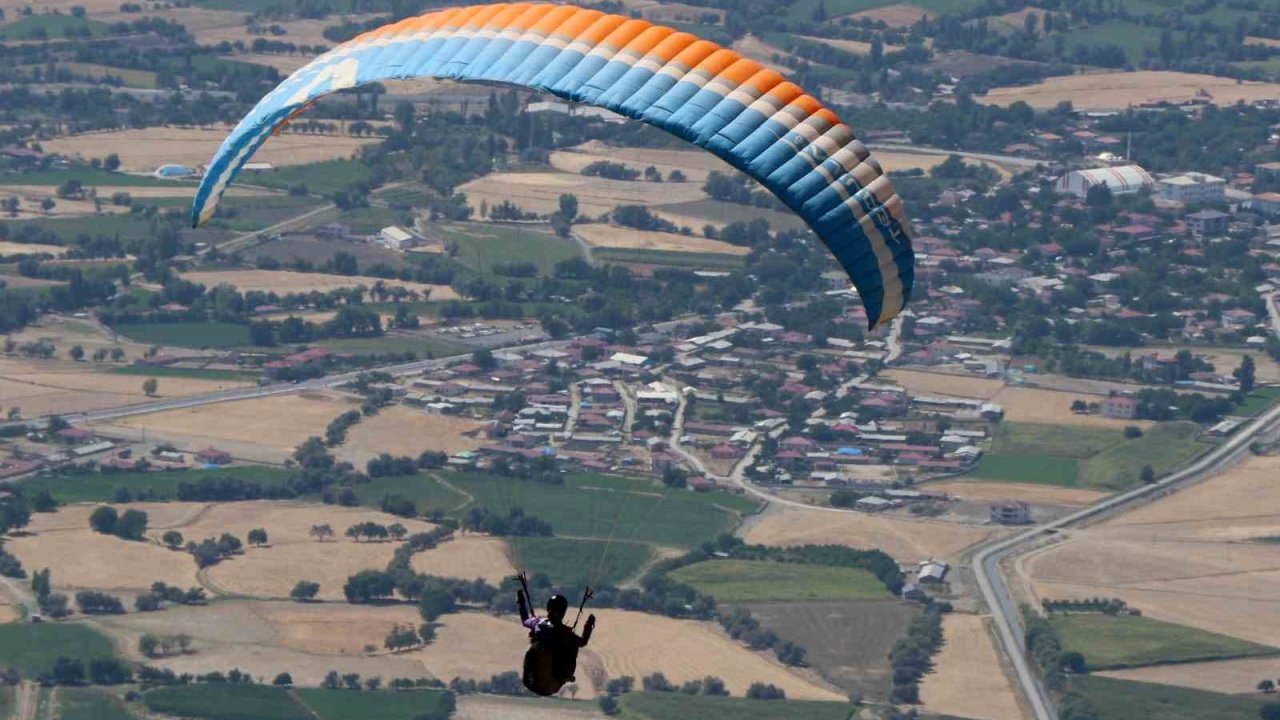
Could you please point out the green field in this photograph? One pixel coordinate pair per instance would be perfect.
(1165, 447)
(51, 27)
(678, 706)
(1028, 468)
(1134, 38)
(206, 334)
(1108, 642)
(481, 246)
(89, 704)
(226, 702)
(101, 488)
(383, 705)
(132, 78)
(128, 227)
(323, 178)
(425, 491)
(734, 581)
(668, 258)
(161, 371)
(1060, 440)
(1260, 399)
(575, 563)
(32, 649)
(92, 178)
(1127, 700)
(6, 701)
(246, 214)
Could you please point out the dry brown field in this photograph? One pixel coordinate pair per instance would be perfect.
(906, 540)
(401, 430)
(968, 385)
(1221, 676)
(1224, 360)
(1051, 407)
(145, 150)
(42, 387)
(1265, 42)
(1192, 558)
(967, 678)
(474, 645)
(894, 15)
(160, 516)
(12, 248)
(540, 192)
(14, 282)
(335, 629)
(81, 559)
(287, 281)
(695, 164)
(764, 53)
(271, 572)
(669, 11)
(897, 161)
(494, 707)
(467, 557)
(601, 235)
(286, 523)
(1017, 19)
(277, 424)
(982, 492)
(286, 64)
(1116, 91)
(9, 613)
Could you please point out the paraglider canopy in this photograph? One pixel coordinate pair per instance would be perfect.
(750, 116)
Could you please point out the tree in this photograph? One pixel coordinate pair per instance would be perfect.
(305, 591)
(149, 386)
(132, 525)
(332, 680)
(761, 691)
(172, 538)
(67, 671)
(608, 705)
(321, 532)
(1132, 432)
(369, 585)
(284, 679)
(1245, 374)
(436, 600)
(258, 537)
(1074, 662)
(1266, 686)
(569, 207)
(76, 352)
(111, 163)
(48, 204)
(1147, 475)
(104, 520)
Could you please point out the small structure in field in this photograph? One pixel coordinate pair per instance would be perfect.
(1010, 512)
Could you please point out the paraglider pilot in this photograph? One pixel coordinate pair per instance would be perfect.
(552, 657)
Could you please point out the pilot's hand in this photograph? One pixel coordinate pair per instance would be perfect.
(591, 622)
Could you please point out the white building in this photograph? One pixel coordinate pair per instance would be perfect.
(1192, 187)
(1122, 179)
(397, 238)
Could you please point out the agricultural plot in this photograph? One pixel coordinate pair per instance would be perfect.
(146, 150)
(81, 558)
(574, 563)
(226, 702)
(1109, 642)
(611, 236)
(401, 430)
(1164, 447)
(205, 334)
(1124, 700)
(847, 642)
(94, 488)
(1117, 91)
(498, 707)
(315, 250)
(968, 679)
(675, 706)
(482, 246)
(384, 705)
(730, 581)
(286, 281)
(89, 704)
(32, 649)
(697, 214)
(323, 177)
(473, 556)
(1235, 677)
(9, 248)
(1028, 468)
(540, 192)
(695, 164)
(984, 492)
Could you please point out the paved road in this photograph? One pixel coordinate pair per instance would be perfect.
(996, 593)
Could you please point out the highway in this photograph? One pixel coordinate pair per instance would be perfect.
(996, 593)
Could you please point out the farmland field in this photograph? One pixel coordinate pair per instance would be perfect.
(482, 246)
(162, 371)
(574, 563)
(1073, 442)
(1117, 91)
(74, 488)
(32, 649)
(207, 334)
(286, 281)
(668, 258)
(383, 705)
(676, 706)
(226, 702)
(1028, 468)
(968, 679)
(848, 642)
(1164, 447)
(402, 430)
(732, 581)
(1219, 676)
(323, 177)
(1118, 642)
(89, 704)
(1125, 700)
(601, 235)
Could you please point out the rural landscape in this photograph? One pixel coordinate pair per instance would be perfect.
(439, 335)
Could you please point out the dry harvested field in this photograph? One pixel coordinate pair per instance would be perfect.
(695, 164)
(286, 64)
(30, 198)
(906, 540)
(1051, 407)
(601, 235)
(670, 11)
(9, 613)
(1224, 360)
(467, 557)
(967, 680)
(764, 53)
(42, 387)
(1266, 42)
(1017, 19)
(271, 572)
(12, 248)
(14, 282)
(287, 281)
(1116, 91)
(982, 492)
(898, 161)
(401, 430)
(160, 516)
(265, 638)
(83, 559)
(540, 192)
(274, 424)
(145, 150)
(1187, 558)
(474, 645)
(1222, 676)
(495, 707)
(286, 522)
(893, 15)
(968, 385)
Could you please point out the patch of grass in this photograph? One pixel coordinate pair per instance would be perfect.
(246, 214)
(1133, 38)
(187, 334)
(6, 701)
(323, 178)
(1165, 447)
(127, 227)
(481, 246)
(90, 704)
(226, 702)
(91, 178)
(1109, 643)
(32, 649)
(421, 345)
(368, 220)
(183, 372)
(383, 705)
(67, 488)
(1060, 440)
(731, 581)
(1128, 700)
(132, 78)
(1259, 400)
(677, 706)
(1028, 468)
(425, 491)
(669, 258)
(576, 563)
(52, 27)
